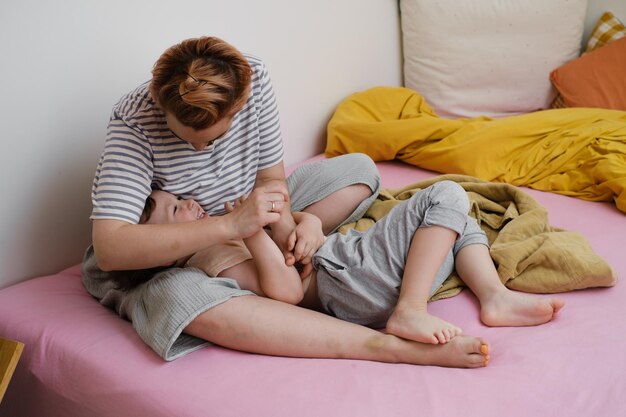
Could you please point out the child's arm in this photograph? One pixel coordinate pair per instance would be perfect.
(277, 280)
(280, 281)
(305, 240)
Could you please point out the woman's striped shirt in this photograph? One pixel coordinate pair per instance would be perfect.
(141, 153)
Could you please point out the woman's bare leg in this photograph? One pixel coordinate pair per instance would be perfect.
(261, 325)
(499, 305)
(338, 206)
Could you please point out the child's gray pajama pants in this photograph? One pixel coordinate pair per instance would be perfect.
(359, 274)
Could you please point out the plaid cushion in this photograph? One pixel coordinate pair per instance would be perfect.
(607, 30)
(558, 102)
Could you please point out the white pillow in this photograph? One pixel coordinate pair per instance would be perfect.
(488, 57)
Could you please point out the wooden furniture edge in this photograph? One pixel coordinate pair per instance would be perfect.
(10, 352)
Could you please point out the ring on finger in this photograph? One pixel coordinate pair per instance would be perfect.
(273, 206)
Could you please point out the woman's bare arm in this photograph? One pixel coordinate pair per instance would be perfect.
(119, 245)
(283, 227)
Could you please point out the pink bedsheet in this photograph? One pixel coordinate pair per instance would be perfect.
(82, 360)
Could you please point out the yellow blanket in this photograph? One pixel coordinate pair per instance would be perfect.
(579, 152)
(530, 255)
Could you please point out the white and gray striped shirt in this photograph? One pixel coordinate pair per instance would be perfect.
(141, 153)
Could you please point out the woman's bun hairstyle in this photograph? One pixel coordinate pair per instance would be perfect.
(200, 81)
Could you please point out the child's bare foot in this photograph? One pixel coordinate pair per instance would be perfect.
(420, 326)
(510, 308)
(460, 352)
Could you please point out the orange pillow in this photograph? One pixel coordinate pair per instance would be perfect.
(596, 79)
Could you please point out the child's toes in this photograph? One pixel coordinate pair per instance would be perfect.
(446, 335)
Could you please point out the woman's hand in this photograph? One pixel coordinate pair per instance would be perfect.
(305, 240)
(255, 211)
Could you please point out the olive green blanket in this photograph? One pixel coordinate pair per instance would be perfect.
(529, 254)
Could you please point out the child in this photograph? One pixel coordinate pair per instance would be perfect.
(382, 277)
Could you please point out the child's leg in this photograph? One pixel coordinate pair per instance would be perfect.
(499, 305)
(410, 319)
(360, 275)
(434, 217)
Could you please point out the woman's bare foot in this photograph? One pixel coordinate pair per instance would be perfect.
(420, 326)
(460, 352)
(510, 308)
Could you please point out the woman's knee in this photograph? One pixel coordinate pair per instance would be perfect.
(360, 165)
(356, 193)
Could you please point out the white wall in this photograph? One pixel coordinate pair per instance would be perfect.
(64, 63)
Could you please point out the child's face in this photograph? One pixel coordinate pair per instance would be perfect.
(169, 209)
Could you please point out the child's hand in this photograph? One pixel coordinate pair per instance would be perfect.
(229, 207)
(305, 239)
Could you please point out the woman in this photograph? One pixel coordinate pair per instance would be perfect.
(206, 127)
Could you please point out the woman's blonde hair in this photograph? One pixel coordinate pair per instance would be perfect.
(200, 81)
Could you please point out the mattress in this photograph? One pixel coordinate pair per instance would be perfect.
(81, 359)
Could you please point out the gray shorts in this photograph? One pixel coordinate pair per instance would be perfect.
(360, 273)
(162, 307)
